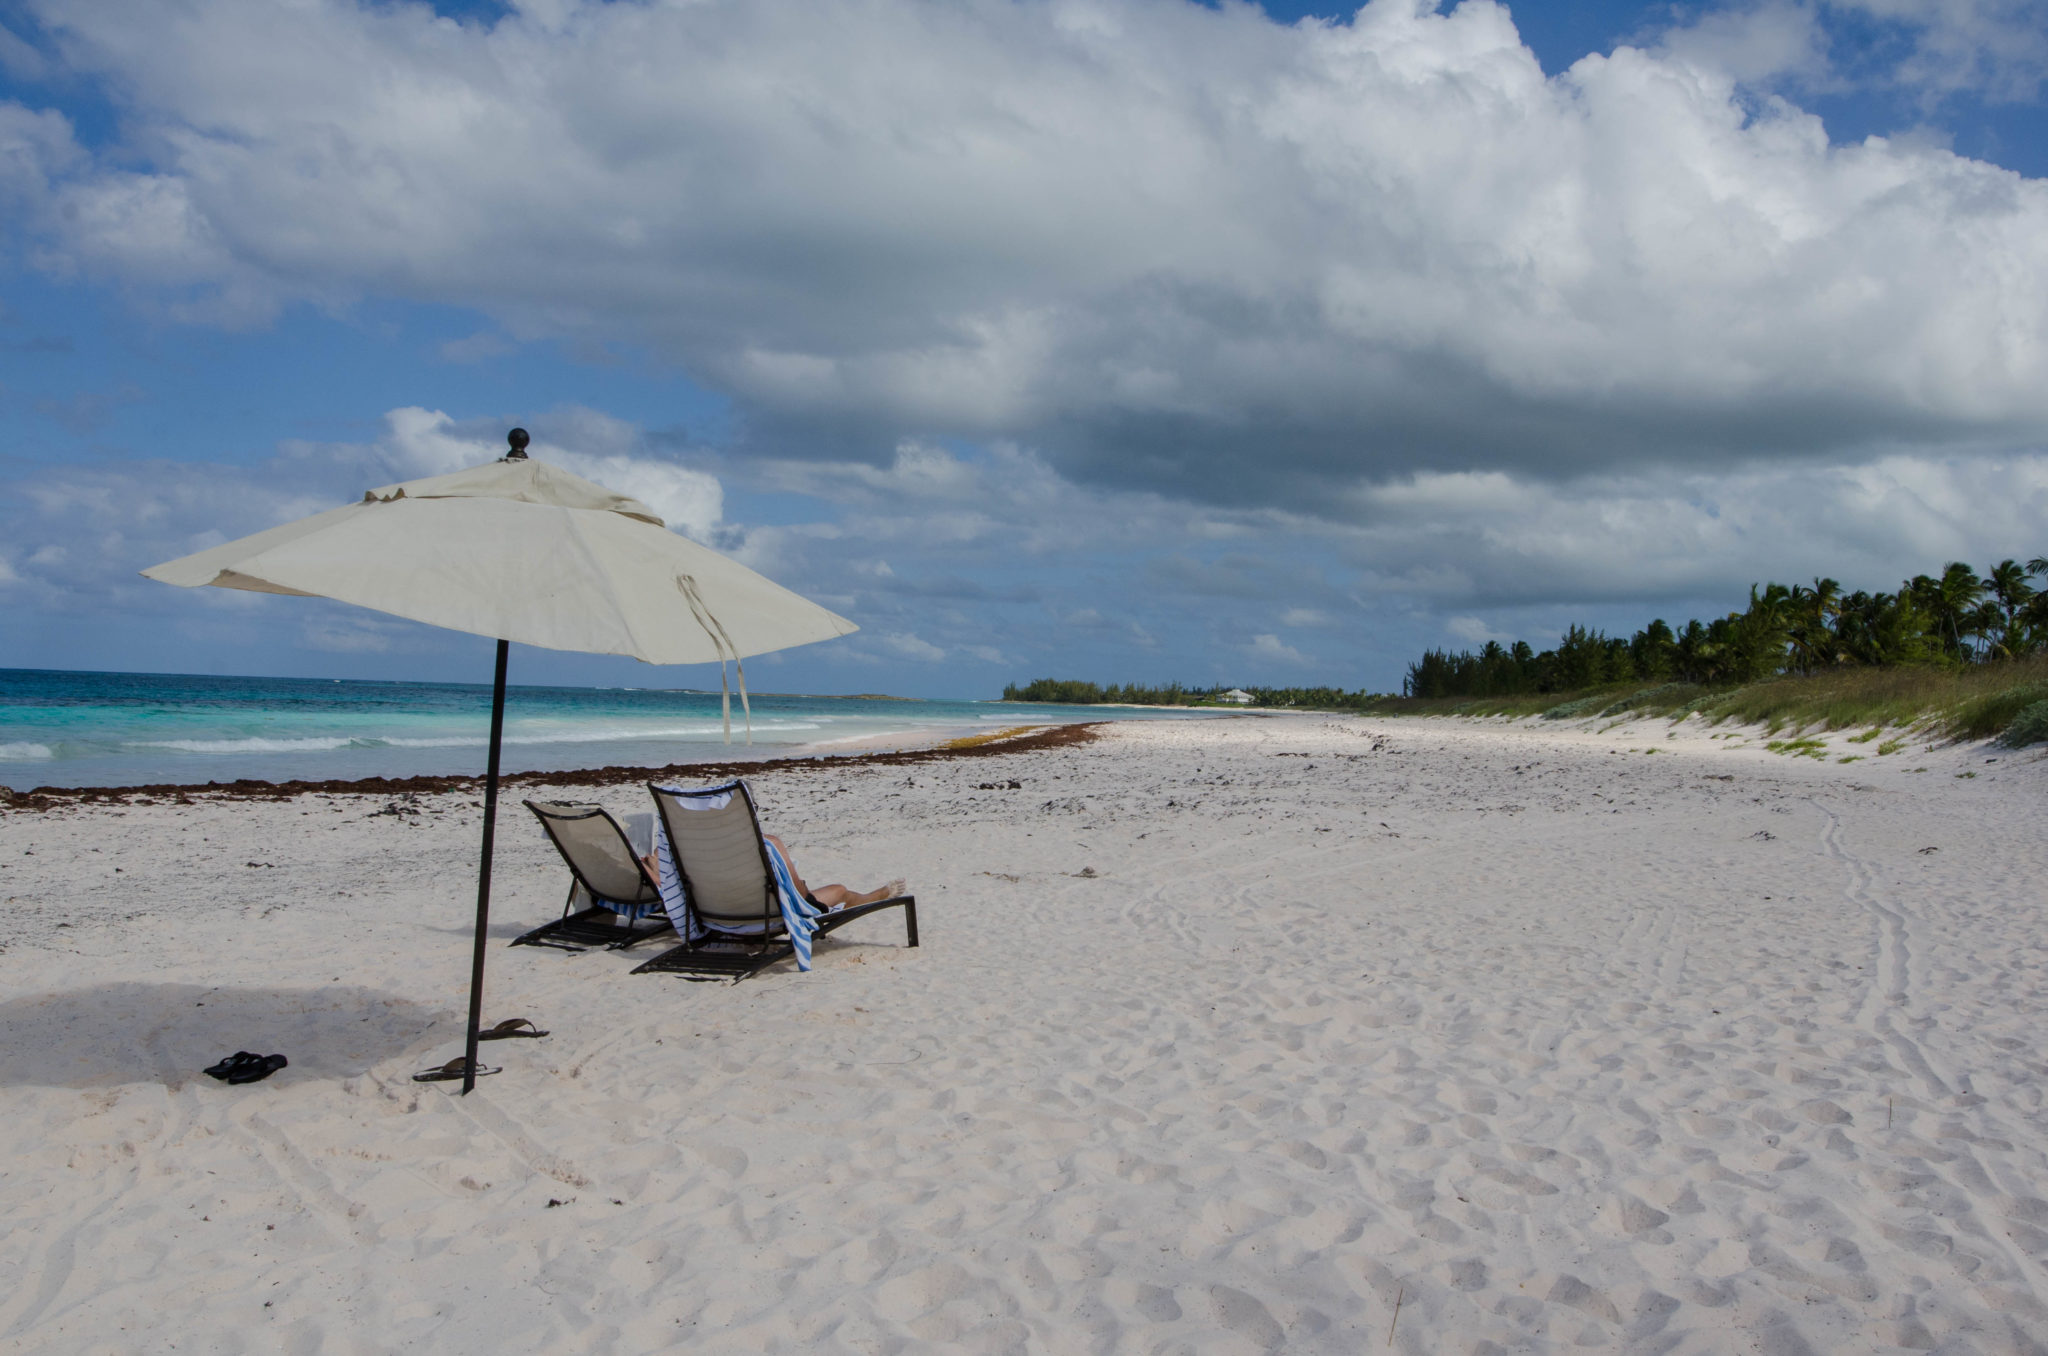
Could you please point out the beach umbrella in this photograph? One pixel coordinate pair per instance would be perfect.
(521, 550)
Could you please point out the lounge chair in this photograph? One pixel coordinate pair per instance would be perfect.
(734, 920)
(620, 902)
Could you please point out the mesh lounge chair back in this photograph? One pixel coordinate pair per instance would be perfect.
(595, 846)
(719, 853)
(722, 864)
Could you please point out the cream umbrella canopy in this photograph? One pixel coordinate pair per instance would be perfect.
(520, 550)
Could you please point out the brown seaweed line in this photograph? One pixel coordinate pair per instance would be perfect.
(55, 797)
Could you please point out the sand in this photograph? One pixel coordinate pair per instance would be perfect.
(1307, 1033)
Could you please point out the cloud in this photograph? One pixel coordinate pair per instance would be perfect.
(1167, 247)
(1058, 579)
(1386, 566)
(1491, 539)
(1273, 648)
(19, 59)
(1473, 630)
(1994, 49)
(908, 646)
(420, 442)
(1025, 575)
(350, 638)
(36, 149)
(83, 531)
(1753, 43)
(476, 347)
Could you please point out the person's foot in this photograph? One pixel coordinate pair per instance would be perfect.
(894, 888)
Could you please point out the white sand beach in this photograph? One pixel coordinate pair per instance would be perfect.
(1303, 1033)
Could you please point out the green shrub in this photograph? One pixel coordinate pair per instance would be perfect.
(1886, 706)
(1662, 695)
(1982, 717)
(2030, 726)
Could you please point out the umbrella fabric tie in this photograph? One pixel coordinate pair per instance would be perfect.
(722, 642)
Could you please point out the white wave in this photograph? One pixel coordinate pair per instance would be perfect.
(599, 736)
(329, 743)
(22, 753)
(245, 745)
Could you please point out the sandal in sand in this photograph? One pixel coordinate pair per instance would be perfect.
(245, 1066)
(259, 1070)
(449, 1072)
(509, 1028)
(241, 1059)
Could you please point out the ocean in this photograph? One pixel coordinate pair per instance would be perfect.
(61, 728)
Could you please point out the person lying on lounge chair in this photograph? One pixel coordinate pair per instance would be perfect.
(832, 897)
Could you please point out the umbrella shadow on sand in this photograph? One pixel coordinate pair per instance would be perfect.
(503, 932)
(127, 1032)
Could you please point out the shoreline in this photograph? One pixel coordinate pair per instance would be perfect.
(247, 788)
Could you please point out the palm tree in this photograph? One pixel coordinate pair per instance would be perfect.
(2034, 615)
(1953, 603)
(1582, 659)
(1884, 629)
(1755, 638)
(1651, 650)
(1811, 630)
(2010, 594)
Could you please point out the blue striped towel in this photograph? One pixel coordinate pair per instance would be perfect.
(798, 914)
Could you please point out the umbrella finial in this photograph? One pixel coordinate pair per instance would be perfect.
(518, 439)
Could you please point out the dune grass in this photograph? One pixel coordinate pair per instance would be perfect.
(1973, 702)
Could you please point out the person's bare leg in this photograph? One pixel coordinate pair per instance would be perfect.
(833, 897)
(836, 897)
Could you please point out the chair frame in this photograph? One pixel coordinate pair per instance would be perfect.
(594, 927)
(727, 955)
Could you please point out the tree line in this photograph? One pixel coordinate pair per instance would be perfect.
(1077, 692)
(1956, 617)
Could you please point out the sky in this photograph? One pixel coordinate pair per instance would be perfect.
(1131, 340)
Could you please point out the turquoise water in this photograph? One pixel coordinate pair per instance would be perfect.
(128, 729)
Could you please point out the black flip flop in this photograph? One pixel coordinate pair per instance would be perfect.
(509, 1028)
(258, 1069)
(233, 1064)
(449, 1072)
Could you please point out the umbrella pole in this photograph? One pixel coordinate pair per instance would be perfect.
(483, 872)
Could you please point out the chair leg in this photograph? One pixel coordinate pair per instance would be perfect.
(910, 920)
(568, 903)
